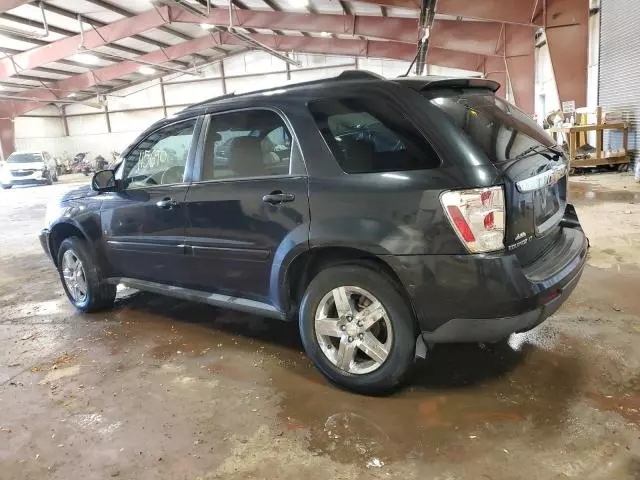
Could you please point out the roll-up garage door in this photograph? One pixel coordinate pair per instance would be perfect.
(619, 77)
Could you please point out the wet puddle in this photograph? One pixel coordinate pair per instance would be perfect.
(463, 399)
(585, 193)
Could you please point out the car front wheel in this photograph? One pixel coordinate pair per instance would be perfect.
(81, 278)
(357, 328)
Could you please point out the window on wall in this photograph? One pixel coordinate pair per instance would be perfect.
(367, 135)
(160, 158)
(253, 143)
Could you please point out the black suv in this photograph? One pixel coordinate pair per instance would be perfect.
(384, 215)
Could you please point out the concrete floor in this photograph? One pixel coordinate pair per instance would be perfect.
(159, 388)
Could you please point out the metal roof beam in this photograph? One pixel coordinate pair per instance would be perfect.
(363, 48)
(96, 23)
(127, 13)
(390, 28)
(60, 89)
(67, 47)
(9, 4)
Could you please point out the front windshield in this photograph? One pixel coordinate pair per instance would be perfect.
(503, 131)
(24, 158)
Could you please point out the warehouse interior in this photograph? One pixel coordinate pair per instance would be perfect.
(159, 387)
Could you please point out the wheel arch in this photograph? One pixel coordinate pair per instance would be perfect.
(308, 263)
(61, 231)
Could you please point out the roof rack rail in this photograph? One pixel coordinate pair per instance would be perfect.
(346, 75)
(209, 100)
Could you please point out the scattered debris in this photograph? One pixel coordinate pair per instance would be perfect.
(617, 308)
(35, 369)
(29, 336)
(375, 462)
(473, 436)
(11, 365)
(505, 451)
(58, 373)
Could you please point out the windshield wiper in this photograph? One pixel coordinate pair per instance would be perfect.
(537, 149)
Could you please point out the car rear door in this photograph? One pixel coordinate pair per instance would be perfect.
(144, 222)
(534, 170)
(249, 204)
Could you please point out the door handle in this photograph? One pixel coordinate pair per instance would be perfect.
(166, 203)
(277, 197)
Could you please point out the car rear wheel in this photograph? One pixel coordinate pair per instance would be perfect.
(357, 328)
(81, 278)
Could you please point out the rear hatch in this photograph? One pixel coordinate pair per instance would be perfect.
(533, 167)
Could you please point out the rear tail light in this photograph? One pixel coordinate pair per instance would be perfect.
(477, 216)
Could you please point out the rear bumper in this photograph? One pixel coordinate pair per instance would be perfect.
(475, 298)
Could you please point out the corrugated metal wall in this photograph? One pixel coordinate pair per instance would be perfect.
(619, 85)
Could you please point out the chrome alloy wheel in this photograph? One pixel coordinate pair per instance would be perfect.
(353, 330)
(74, 276)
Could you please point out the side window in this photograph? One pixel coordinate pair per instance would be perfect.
(367, 136)
(253, 143)
(160, 158)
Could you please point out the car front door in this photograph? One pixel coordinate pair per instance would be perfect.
(143, 223)
(248, 205)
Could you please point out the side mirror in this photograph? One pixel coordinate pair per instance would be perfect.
(104, 181)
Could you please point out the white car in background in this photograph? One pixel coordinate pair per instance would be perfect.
(24, 168)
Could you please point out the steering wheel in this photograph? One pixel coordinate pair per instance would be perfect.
(172, 175)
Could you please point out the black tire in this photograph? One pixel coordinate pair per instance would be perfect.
(393, 370)
(100, 295)
(6, 187)
(49, 180)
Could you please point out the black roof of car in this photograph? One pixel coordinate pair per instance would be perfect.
(419, 83)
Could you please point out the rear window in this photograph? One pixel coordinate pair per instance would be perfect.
(500, 129)
(24, 158)
(367, 136)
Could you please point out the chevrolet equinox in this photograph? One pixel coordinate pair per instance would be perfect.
(385, 216)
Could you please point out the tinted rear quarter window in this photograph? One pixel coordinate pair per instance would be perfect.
(367, 135)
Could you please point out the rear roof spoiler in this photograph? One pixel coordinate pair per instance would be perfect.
(430, 83)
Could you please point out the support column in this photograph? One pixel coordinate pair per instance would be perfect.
(65, 122)
(567, 32)
(521, 65)
(162, 97)
(106, 116)
(7, 138)
(224, 80)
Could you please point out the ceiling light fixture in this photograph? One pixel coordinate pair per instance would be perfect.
(86, 58)
(145, 70)
(298, 3)
(206, 26)
(325, 34)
